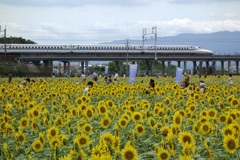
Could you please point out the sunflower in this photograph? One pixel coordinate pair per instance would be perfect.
(21, 136)
(234, 103)
(222, 119)
(196, 128)
(129, 152)
(117, 144)
(34, 125)
(105, 122)
(206, 128)
(8, 107)
(54, 142)
(24, 122)
(131, 108)
(163, 154)
(221, 106)
(102, 109)
(192, 108)
(140, 129)
(46, 122)
(185, 91)
(123, 122)
(168, 101)
(52, 132)
(107, 137)
(137, 117)
(165, 131)
(230, 144)
(37, 146)
(186, 137)
(59, 121)
(83, 140)
(161, 113)
(41, 138)
(87, 128)
(177, 119)
(88, 112)
(228, 130)
(166, 120)
(35, 113)
(97, 151)
(212, 113)
(110, 104)
(78, 101)
(84, 98)
(74, 112)
(211, 101)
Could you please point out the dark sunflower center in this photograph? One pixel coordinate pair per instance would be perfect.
(53, 133)
(186, 139)
(106, 122)
(83, 141)
(231, 144)
(37, 146)
(129, 155)
(137, 117)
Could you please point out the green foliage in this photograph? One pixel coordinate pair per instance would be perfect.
(16, 40)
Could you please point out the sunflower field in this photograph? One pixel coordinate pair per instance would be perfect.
(56, 119)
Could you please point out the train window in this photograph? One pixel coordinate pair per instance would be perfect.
(83, 47)
(86, 47)
(110, 47)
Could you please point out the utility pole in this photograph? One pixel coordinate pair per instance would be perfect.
(154, 31)
(127, 60)
(5, 34)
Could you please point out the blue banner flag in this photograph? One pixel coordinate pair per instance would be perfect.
(179, 76)
(106, 70)
(132, 73)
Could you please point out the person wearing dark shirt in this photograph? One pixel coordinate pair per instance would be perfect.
(110, 80)
(9, 77)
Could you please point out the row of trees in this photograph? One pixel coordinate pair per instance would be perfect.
(16, 40)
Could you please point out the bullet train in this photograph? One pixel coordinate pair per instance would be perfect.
(164, 49)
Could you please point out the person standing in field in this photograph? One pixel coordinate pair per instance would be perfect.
(230, 80)
(9, 77)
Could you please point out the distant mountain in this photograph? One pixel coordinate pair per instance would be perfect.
(224, 42)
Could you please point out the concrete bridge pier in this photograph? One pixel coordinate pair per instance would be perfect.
(237, 67)
(64, 67)
(163, 67)
(86, 68)
(201, 69)
(194, 67)
(169, 68)
(178, 64)
(116, 66)
(147, 67)
(138, 67)
(207, 67)
(69, 68)
(152, 68)
(222, 67)
(214, 67)
(229, 69)
(121, 69)
(48, 64)
(185, 67)
(82, 67)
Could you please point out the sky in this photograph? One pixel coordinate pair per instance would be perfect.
(97, 21)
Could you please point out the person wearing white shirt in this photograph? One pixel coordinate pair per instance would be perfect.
(116, 75)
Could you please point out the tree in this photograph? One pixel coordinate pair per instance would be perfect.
(16, 40)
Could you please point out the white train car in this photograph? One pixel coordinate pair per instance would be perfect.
(162, 49)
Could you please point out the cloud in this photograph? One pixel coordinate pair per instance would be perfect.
(76, 3)
(53, 33)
